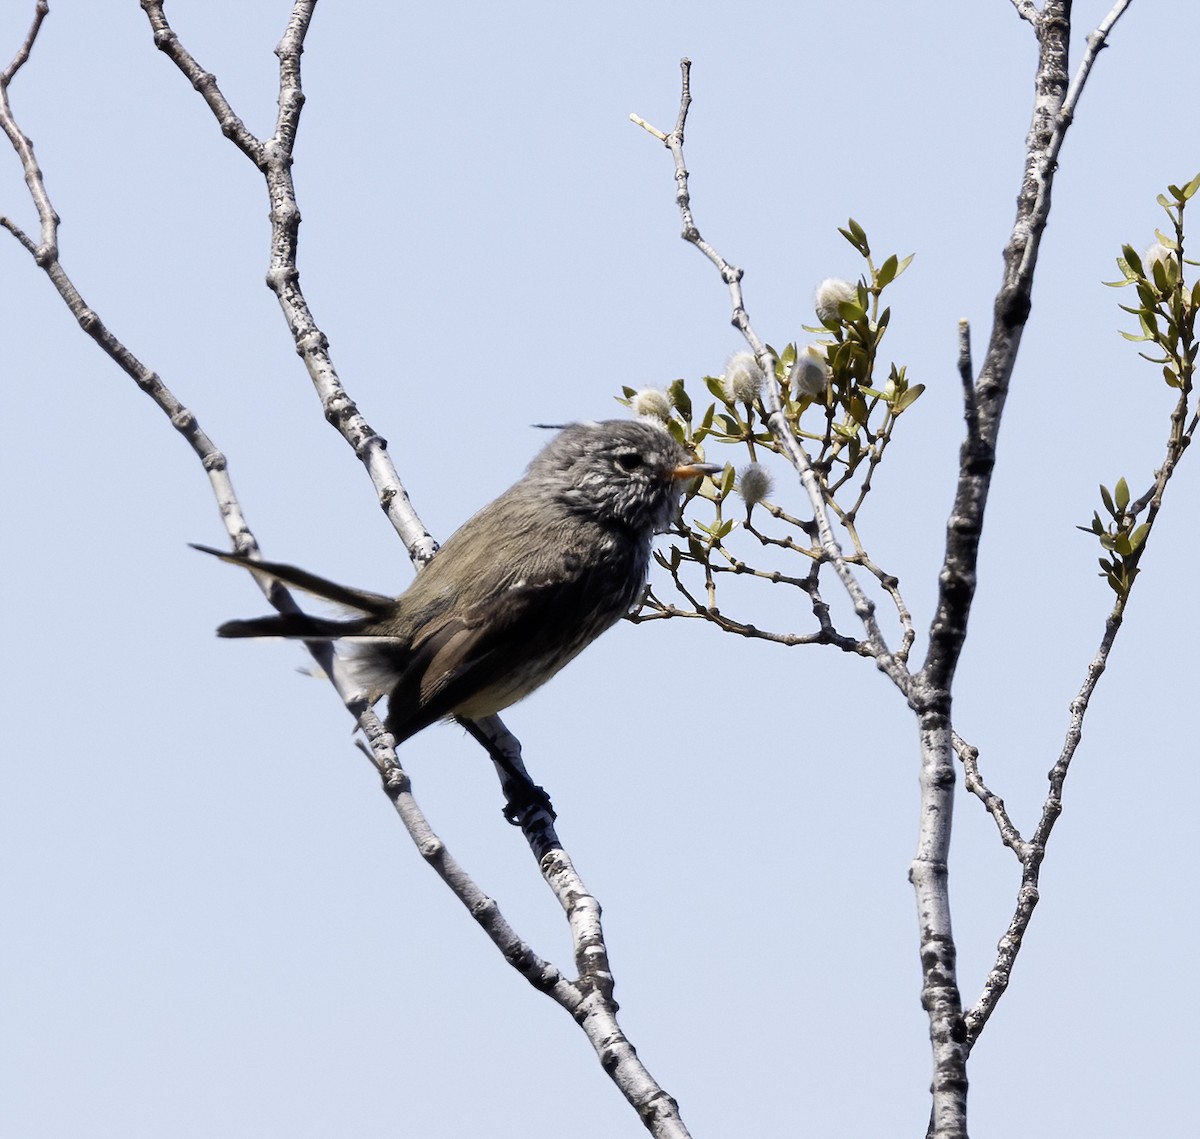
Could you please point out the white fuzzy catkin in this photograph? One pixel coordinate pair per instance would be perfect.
(1156, 253)
(650, 403)
(753, 483)
(832, 292)
(810, 372)
(743, 378)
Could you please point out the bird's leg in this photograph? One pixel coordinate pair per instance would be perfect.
(524, 800)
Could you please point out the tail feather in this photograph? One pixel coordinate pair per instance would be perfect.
(373, 604)
(299, 625)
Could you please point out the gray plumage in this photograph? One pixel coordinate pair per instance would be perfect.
(516, 592)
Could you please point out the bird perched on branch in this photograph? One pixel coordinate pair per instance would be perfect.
(514, 594)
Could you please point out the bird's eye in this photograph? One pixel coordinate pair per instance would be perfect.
(629, 460)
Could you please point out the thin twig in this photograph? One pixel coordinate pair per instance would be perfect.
(973, 782)
(785, 439)
(1033, 852)
(41, 11)
(966, 371)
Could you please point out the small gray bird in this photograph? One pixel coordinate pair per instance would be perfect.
(515, 593)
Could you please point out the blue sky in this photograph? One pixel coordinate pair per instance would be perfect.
(214, 923)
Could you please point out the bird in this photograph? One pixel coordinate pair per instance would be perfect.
(517, 592)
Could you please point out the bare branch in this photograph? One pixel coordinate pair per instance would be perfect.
(956, 582)
(1097, 40)
(589, 999)
(966, 370)
(47, 251)
(273, 156)
(1027, 10)
(205, 82)
(973, 781)
(1033, 852)
(1053, 111)
(41, 10)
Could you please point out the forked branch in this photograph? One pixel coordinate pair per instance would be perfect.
(588, 998)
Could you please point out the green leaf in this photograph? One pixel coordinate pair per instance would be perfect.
(725, 486)
(1122, 495)
(857, 236)
(1138, 538)
(1131, 258)
(716, 388)
(1106, 498)
(887, 272)
(680, 400)
(855, 449)
(628, 392)
(908, 398)
(1190, 189)
(1146, 295)
(1128, 270)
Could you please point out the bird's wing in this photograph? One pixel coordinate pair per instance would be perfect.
(506, 637)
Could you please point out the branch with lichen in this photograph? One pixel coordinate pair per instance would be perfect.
(1055, 100)
(588, 998)
(1166, 312)
(827, 457)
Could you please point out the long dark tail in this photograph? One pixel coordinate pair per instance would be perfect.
(293, 625)
(372, 604)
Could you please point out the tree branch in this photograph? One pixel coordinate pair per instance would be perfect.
(1033, 852)
(589, 999)
(1053, 110)
(789, 446)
